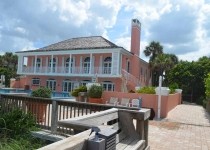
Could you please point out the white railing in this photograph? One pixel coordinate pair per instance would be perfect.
(66, 70)
(130, 78)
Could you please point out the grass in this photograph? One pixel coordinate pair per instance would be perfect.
(15, 127)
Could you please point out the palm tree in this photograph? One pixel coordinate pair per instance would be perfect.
(1, 61)
(152, 50)
(161, 63)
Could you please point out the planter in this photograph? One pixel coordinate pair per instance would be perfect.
(38, 110)
(95, 100)
(164, 91)
(178, 91)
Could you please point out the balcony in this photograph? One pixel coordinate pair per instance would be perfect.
(66, 71)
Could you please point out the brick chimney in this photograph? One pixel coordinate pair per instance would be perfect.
(135, 36)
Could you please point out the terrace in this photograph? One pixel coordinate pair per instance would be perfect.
(56, 110)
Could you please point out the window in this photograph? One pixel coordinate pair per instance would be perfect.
(35, 81)
(51, 84)
(84, 82)
(68, 64)
(53, 64)
(68, 86)
(107, 65)
(38, 64)
(127, 65)
(108, 86)
(86, 65)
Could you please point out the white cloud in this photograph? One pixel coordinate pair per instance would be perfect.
(181, 26)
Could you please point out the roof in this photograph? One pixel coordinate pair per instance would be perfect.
(92, 42)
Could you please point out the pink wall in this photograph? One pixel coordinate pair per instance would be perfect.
(18, 83)
(148, 100)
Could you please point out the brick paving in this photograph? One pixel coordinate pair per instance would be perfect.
(187, 127)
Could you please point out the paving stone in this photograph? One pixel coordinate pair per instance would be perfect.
(187, 127)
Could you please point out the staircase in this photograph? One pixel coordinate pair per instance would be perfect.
(128, 78)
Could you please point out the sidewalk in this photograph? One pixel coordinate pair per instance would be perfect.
(187, 127)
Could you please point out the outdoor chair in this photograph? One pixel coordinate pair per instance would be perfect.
(136, 103)
(124, 102)
(112, 101)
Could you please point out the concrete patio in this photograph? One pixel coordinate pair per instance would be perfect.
(187, 127)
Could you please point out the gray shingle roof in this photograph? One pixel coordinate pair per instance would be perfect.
(92, 42)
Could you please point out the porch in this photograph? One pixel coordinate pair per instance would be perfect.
(54, 110)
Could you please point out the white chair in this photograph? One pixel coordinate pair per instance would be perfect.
(112, 101)
(136, 103)
(124, 102)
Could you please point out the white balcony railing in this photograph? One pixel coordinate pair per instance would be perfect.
(66, 70)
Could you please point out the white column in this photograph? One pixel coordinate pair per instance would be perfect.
(51, 69)
(90, 69)
(159, 96)
(20, 64)
(70, 63)
(62, 68)
(81, 67)
(35, 63)
(46, 64)
(101, 65)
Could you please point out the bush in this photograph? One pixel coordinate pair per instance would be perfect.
(95, 91)
(42, 92)
(16, 123)
(207, 86)
(146, 90)
(173, 87)
(15, 127)
(76, 91)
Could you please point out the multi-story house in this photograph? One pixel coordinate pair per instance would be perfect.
(67, 64)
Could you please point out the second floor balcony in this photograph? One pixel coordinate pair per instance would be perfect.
(68, 71)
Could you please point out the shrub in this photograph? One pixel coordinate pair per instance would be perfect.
(207, 86)
(173, 87)
(41, 92)
(95, 91)
(146, 90)
(76, 91)
(16, 123)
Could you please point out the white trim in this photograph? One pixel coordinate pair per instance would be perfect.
(70, 68)
(90, 69)
(67, 52)
(35, 63)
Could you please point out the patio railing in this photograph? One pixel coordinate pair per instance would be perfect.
(47, 112)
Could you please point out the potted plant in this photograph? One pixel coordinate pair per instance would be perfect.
(78, 92)
(38, 108)
(94, 93)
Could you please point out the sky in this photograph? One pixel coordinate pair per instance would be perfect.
(181, 26)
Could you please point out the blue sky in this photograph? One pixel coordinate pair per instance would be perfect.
(181, 26)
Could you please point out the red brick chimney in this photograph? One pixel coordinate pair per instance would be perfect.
(135, 36)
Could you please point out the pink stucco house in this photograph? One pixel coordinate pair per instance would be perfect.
(67, 64)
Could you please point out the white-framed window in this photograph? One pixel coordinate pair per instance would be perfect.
(68, 86)
(68, 64)
(127, 65)
(53, 64)
(38, 64)
(35, 81)
(84, 82)
(108, 86)
(86, 65)
(107, 65)
(51, 84)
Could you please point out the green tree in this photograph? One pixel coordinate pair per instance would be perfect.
(152, 51)
(190, 77)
